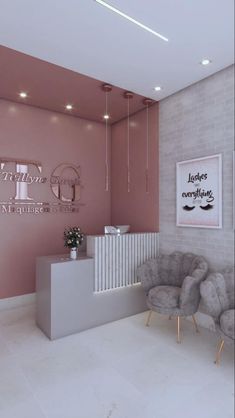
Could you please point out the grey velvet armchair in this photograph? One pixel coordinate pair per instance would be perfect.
(217, 293)
(172, 285)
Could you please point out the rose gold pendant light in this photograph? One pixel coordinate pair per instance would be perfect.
(107, 88)
(147, 103)
(128, 95)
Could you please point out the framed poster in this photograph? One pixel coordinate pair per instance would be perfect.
(199, 192)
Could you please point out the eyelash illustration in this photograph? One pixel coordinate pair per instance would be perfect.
(188, 208)
(207, 207)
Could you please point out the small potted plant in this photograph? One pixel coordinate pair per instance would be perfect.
(73, 237)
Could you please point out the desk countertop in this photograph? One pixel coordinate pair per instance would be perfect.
(62, 258)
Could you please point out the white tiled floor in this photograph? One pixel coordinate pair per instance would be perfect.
(119, 370)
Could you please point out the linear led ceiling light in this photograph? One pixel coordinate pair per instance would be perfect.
(113, 9)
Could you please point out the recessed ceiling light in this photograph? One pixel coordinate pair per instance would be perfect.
(205, 61)
(69, 107)
(23, 94)
(106, 116)
(157, 88)
(113, 9)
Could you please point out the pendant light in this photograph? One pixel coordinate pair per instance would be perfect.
(128, 95)
(147, 102)
(107, 88)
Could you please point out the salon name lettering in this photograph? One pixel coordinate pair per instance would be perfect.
(64, 183)
(26, 178)
(36, 208)
(199, 193)
(21, 177)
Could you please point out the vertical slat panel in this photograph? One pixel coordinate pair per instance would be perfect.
(107, 284)
(113, 261)
(134, 263)
(109, 247)
(110, 255)
(138, 253)
(135, 256)
(152, 245)
(141, 244)
(129, 260)
(155, 245)
(122, 246)
(117, 258)
(118, 262)
(129, 255)
(103, 263)
(99, 264)
(144, 247)
(96, 286)
(124, 252)
(117, 278)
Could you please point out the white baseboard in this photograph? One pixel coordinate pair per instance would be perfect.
(17, 301)
(203, 320)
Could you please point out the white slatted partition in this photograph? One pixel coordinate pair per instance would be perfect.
(118, 256)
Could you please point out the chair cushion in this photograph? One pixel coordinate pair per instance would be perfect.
(227, 323)
(165, 296)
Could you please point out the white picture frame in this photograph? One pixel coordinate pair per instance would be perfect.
(199, 192)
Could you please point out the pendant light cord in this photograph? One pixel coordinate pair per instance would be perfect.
(106, 145)
(147, 151)
(107, 88)
(128, 146)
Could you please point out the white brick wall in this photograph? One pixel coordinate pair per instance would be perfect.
(196, 122)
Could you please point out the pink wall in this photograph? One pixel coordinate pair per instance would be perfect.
(136, 208)
(51, 138)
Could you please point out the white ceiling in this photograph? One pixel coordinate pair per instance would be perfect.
(85, 37)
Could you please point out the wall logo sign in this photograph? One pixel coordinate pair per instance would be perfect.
(199, 192)
(66, 178)
(21, 181)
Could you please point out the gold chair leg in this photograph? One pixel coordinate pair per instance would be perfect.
(178, 330)
(221, 346)
(149, 317)
(195, 323)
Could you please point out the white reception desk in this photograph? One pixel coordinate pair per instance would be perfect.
(74, 295)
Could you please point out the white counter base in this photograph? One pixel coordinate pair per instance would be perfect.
(66, 302)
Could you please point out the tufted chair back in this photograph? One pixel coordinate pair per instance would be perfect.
(217, 292)
(229, 284)
(173, 268)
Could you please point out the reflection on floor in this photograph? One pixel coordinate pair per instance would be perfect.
(119, 370)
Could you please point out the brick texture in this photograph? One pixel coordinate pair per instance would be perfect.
(196, 122)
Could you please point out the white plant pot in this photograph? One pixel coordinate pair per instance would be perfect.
(73, 253)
